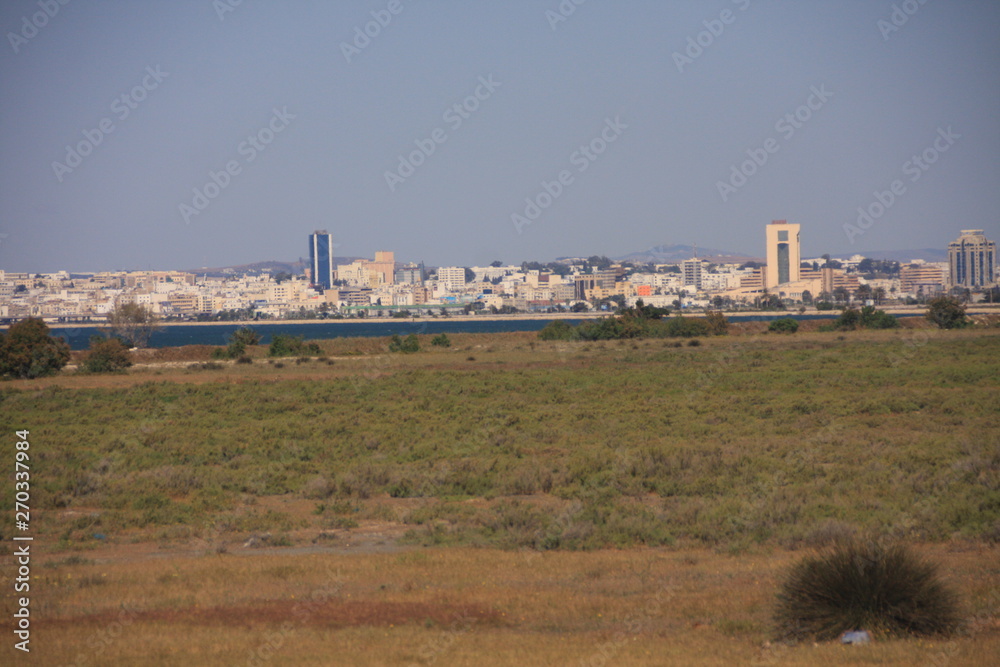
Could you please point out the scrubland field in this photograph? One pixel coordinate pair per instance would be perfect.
(502, 501)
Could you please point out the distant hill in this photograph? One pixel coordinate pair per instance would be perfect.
(256, 268)
(903, 256)
(259, 268)
(671, 254)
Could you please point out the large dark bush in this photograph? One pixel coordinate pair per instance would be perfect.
(28, 351)
(106, 355)
(865, 584)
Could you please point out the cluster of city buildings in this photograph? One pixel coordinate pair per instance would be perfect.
(383, 286)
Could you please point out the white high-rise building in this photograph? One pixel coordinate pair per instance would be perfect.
(691, 270)
(451, 277)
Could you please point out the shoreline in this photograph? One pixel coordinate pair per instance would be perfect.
(899, 311)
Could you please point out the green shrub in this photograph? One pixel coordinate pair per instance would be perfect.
(556, 330)
(133, 323)
(405, 345)
(865, 585)
(866, 318)
(783, 325)
(849, 318)
(28, 351)
(285, 345)
(877, 319)
(441, 340)
(947, 313)
(341, 522)
(823, 305)
(106, 355)
(686, 327)
(640, 321)
(239, 340)
(607, 328)
(717, 323)
(642, 311)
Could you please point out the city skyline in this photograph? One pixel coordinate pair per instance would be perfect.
(384, 286)
(220, 134)
(696, 252)
(304, 261)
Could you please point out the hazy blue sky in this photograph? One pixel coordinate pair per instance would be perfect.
(199, 81)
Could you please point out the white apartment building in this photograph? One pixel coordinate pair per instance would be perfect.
(452, 278)
(719, 281)
(493, 272)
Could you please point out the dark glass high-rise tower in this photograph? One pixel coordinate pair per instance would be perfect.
(321, 259)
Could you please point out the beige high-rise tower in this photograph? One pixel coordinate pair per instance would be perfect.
(971, 260)
(783, 253)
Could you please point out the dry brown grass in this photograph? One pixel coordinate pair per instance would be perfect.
(457, 607)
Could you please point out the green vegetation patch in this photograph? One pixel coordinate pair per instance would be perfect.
(739, 441)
